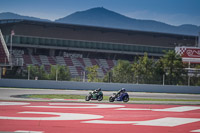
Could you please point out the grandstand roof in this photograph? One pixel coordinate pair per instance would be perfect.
(76, 26)
(51, 35)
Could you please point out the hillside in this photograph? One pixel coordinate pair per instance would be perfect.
(105, 18)
(9, 15)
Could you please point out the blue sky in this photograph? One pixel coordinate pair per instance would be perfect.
(174, 12)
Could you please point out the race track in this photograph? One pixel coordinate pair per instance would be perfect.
(8, 93)
(59, 117)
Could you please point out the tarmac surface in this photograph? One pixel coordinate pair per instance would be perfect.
(8, 93)
(66, 117)
(28, 115)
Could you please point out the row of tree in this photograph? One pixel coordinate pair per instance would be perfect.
(146, 70)
(57, 72)
(143, 70)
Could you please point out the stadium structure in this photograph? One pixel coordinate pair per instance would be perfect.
(77, 46)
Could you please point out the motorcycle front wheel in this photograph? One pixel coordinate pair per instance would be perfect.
(100, 98)
(126, 99)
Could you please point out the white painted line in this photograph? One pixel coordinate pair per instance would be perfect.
(168, 122)
(179, 109)
(13, 103)
(132, 109)
(196, 131)
(67, 105)
(109, 122)
(59, 116)
(23, 131)
(174, 109)
(164, 122)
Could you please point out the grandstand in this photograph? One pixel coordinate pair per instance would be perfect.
(4, 54)
(76, 46)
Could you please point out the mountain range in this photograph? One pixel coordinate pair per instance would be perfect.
(102, 17)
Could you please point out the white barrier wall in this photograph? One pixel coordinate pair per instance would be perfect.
(45, 84)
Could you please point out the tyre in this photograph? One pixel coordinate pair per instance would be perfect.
(87, 98)
(126, 99)
(111, 99)
(100, 98)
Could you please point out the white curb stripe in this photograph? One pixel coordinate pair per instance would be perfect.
(174, 109)
(196, 131)
(164, 122)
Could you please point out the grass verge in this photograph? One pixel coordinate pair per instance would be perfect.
(61, 96)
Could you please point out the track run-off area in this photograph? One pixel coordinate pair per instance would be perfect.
(66, 117)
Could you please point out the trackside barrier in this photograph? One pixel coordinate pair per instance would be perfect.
(47, 84)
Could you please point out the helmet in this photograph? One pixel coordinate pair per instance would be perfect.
(99, 89)
(123, 89)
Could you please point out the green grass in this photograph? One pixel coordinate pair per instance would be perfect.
(61, 96)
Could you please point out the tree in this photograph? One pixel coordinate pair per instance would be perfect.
(37, 71)
(62, 73)
(41, 73)
(92, 73)
(159, 72)
(122, 72)
(195, 79)
(144, 69)
(173, 67)
(108, 77)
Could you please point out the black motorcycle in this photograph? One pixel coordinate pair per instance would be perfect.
(94, 96)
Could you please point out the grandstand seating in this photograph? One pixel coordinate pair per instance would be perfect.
(60, 60)
(110, 63)
(81, 61)
(51, 60)
(28, 60)
(80, 70)
(44, 60)
(76, 65)
(37, 58)
(68, 61)
(87, 62)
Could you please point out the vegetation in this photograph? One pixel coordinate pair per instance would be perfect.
(59, 72)
(93, 74)
(169, 70)
(61, 96)
(56, 72)
(144, 70)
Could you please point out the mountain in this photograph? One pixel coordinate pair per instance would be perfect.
(105, 18)
(9, 15)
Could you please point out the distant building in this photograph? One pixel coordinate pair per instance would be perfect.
(78, 46)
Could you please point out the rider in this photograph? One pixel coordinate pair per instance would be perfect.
(121, 91)
(97, 90)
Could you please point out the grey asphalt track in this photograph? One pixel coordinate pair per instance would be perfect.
(8, 93)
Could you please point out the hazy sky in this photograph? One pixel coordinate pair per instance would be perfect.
(174, 12)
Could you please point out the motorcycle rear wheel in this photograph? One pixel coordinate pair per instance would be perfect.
(111, 99)
(87, 98)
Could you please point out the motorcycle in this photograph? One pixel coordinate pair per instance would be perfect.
(94, 96)
(119, 97)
